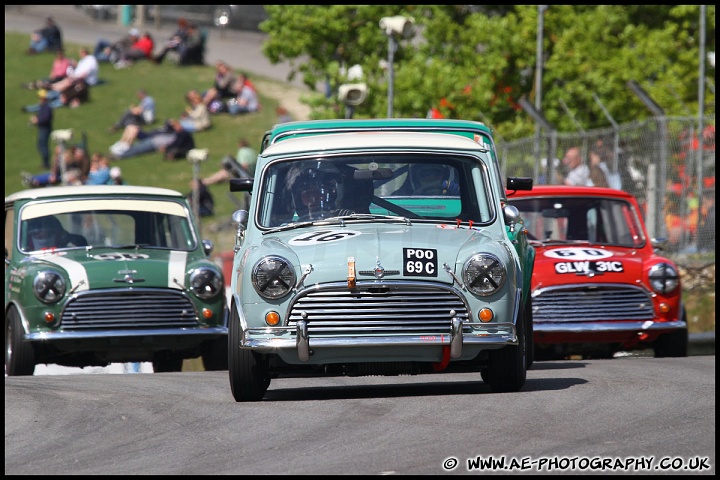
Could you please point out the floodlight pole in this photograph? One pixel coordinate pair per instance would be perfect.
(392, 26)
(392, 45)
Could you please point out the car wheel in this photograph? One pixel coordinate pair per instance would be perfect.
(248, 371)
(215, 355)
(529, 333)
(19, 354)
(167, 362)
(673, 344)
(507, 367)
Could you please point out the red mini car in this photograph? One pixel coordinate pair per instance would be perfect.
(598, 286)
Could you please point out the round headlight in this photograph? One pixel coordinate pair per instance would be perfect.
(663, 278)
(205, 283)
(49, 286)
(273, 277)
(484, 274)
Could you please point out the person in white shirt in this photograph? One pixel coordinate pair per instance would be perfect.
(87, 69)
(578, 174)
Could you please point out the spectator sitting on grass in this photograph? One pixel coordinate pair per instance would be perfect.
(171, 140)
(246, 100)
(48, 38)
(140, 50)
(106, 51)
(196, 117)
(143, 113)
(58, 71)
(99, 170)
(222, 89)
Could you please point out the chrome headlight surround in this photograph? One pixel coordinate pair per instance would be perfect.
(663, 278)
(484, 274)
(273, 277)
(49, 286)
(206, 283)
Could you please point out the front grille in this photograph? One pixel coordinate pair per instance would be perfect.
(586, 303)
(135, 308)
(378, 309)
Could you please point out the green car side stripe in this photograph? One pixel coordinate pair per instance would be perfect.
(75, 270)
(176, 269)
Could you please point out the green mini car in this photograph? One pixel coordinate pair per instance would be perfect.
(378, 248)
(103, 274)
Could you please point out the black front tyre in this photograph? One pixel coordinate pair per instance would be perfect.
(248, 371)
(507, 367)
(215, 355)
(673, 344)
(167, 362)
(529, 333)
(19, 354)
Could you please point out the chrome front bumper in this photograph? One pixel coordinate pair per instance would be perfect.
(607, 327)
(268, 339)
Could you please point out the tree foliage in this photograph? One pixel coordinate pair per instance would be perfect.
(476, 62)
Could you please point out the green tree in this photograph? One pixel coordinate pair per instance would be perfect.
(481, 59)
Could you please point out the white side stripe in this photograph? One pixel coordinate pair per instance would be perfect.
(75, 270)
(176, 269)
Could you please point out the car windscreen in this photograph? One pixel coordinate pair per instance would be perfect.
(596, 220)
(105, 223)
(422, 187)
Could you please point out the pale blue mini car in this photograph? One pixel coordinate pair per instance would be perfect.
(378, 253)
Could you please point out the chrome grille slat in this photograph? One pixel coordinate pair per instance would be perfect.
(592, 303)
(382, 309)
(122, 309)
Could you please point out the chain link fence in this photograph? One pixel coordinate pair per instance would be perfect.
(662, 161)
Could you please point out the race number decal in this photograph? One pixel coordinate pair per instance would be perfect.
(573, 254)
(120, 256)
(420, 261)
(321, 237)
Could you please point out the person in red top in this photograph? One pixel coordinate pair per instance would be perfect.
(141, 49)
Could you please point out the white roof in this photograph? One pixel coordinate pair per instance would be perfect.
(356, 140)
(63, 191)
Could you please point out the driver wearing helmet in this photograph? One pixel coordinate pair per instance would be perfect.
(317, 190)
(428, 179)
(45, 233)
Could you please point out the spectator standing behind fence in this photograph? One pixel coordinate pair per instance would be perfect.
(140, 114)
(43, 122)
(578, 174)
(599, 171)
(48, 38)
